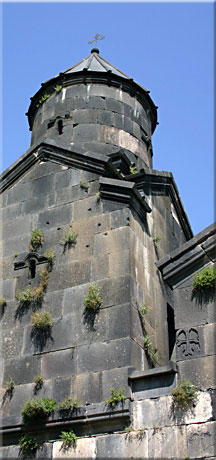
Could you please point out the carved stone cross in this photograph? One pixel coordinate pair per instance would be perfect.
(188, 341)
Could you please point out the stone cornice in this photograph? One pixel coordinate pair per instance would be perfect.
(49, 150)
(163, 180)
(124, 192)
(191, 256)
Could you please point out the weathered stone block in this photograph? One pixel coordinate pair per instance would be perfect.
(118, 120)
(19, 192)
(201, 371)
(9, 452)
(85, 448)
(87, 387)
(115, 290)
(76, 90)
(86, 208)
(21, 225)
(43, 185)
(22, 370)
(7, 289)
(70, 275)
(119, 263)
(95, 102)
(161, 412)
(59, 364)
(100, 268)
(112, 241)
(105, 118)
(12, 340)
(12, 245)
(114, 106)
(209, 333)
(35, 205)
(11, 212)
(107, 355)
(115, 378)
(70, 194)
(169, 442)
(20, 395)
(62, 388)
(186, 311)
(102, 90)
(54, 217)
(59, 337)
(120, 218)
(73, 298)
(63, 179)
(110, 206)
(85, 116)
(201, 440)
(123, 445)
(86, 132)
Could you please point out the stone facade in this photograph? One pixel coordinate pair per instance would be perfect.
(89, 169)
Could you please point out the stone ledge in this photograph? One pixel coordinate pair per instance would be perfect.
(168, 369)
(153, 383)
(95, 418)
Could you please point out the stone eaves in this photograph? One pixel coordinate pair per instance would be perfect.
(102, 165)
(191, 256)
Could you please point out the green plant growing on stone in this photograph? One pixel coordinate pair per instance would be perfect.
(68, 439)
(43, 99)
(36, 294)
(38, 380)
(146, 342)
(28, 443)
(16, 254)
(58, 88)
(9, 386)
(69, 404)
(70, 238)
(144, 309)
(92, 299)
(38, 408)
(84, 185)
(29, 295)
(133, 170)
(151, 351)
(204, 280)
(36, 239)
(156, 239)
(50, 254)
(116, 397)
(185, 394)
(128, 429)
(42, 319)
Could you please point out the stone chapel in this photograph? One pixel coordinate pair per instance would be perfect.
(107, 306)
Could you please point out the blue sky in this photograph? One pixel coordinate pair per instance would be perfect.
(166, 47)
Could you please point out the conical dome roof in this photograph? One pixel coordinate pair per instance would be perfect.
(94, 69)
(95, 63)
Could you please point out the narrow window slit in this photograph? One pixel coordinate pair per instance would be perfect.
(60, 126)
(32, 268)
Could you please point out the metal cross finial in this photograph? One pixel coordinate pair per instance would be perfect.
(96, 38)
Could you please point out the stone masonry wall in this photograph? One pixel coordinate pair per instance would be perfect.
(95, 117)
